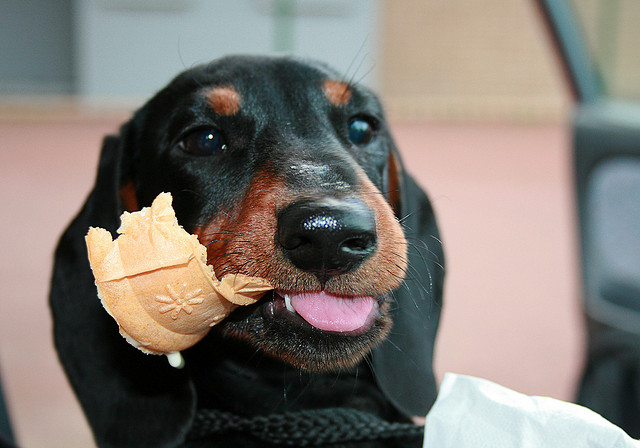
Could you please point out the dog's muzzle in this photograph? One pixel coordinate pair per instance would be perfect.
(327, 237)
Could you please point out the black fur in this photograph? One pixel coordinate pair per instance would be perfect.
(248, 365)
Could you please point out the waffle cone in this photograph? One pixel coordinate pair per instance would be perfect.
(154, 281)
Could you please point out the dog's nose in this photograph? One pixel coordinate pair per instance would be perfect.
(327, 236)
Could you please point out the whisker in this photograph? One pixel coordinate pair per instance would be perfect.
(223, 232)
(356, 57)
(217, 240)
(365, 74)
(404, 218)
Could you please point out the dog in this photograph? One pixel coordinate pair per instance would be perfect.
(288, 171)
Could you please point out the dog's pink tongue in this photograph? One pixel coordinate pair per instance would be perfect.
(333, 313)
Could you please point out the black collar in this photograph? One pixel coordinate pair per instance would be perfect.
(308, 428)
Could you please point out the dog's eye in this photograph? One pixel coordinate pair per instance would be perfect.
(360, 131)
(203, 142)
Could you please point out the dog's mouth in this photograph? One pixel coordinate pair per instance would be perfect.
(314, 330)
(346, 315)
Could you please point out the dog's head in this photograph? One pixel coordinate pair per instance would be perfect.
(288, 172)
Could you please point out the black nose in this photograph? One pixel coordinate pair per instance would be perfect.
(327, 236)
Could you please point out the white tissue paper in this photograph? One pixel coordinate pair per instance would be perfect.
(475, 413)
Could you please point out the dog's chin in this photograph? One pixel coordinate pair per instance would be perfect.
(274, 327)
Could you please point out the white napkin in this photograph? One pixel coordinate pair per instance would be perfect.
(475, 413)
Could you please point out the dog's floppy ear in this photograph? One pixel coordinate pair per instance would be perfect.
(403, 364)
(129, 398)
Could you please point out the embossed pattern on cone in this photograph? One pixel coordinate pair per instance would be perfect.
(154, 281)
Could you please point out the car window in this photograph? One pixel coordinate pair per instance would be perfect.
(611, 29)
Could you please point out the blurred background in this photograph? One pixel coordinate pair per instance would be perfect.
(479, 104)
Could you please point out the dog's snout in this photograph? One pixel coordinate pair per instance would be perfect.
(327, 236)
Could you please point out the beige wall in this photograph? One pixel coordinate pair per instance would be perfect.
(469, 60)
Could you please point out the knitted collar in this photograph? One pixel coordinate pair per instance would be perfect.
(308, 428)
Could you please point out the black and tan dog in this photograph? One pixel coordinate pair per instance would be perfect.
(288, 172)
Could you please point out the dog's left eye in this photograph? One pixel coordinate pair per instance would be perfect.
(360, 131)
(203, 142)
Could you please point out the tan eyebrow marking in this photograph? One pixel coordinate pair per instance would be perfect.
(224, 100)
(337, 92)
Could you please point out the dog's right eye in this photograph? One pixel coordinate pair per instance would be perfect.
(203, 142)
